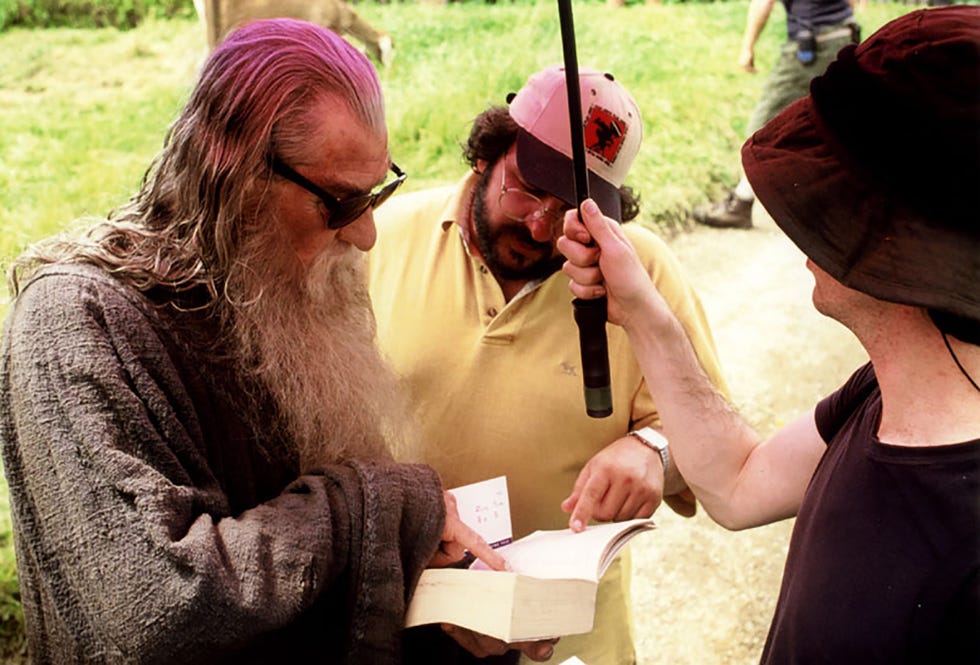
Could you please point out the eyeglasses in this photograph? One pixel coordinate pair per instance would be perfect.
(515, 201)
(342, 211)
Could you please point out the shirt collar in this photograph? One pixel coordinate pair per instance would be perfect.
(457, 210)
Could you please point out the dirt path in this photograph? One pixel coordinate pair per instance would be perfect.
(703, 595)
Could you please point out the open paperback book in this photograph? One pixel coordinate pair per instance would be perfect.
(550, 591)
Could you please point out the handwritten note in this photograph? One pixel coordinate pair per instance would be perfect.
(485, 508)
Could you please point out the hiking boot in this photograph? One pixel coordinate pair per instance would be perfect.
(732, 213)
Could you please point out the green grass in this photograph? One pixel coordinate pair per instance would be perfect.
(83, 112)
(690, 143)
(11, 617)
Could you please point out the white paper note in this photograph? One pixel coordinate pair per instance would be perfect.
(485, 508)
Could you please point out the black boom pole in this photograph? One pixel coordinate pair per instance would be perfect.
(590, 315)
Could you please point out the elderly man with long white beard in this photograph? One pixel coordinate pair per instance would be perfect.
(196, 428)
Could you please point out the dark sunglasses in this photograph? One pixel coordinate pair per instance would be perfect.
(342, 211)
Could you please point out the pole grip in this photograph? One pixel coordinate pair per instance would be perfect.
(590, 316)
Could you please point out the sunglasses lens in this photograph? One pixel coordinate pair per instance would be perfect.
(347, 212)
(385, 193)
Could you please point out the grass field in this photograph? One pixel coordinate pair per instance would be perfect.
(84, 111)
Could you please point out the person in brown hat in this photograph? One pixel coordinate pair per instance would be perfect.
(874, 176)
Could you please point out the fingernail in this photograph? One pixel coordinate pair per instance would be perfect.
(590, 207)
(547, 652)
(576, 525)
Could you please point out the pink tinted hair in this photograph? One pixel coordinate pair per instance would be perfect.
(207, 188)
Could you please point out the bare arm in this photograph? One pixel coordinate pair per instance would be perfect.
(740, 480)
(755, 22)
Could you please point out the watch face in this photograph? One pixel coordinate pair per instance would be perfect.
(651, 437)
(655, 440)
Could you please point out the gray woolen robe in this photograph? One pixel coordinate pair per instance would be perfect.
(153, 524)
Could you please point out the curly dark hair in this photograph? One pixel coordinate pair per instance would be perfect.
(494, 132)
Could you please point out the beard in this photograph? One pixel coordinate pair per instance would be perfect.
(306, 338)
(504, 264)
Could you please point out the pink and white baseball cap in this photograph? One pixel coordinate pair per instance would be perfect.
(613, 133)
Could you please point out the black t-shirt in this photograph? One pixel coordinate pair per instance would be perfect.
(883, 563)
(815, 14)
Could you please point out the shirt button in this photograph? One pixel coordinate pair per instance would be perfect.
(492, 311)
(483, 269)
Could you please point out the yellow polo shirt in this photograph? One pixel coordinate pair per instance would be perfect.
(498, 386)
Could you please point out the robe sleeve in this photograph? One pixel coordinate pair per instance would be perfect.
(127, 547)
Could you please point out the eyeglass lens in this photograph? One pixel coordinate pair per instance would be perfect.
(515, 202)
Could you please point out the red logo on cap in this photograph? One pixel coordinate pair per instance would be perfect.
(604, 134)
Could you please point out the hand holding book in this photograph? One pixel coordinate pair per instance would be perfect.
(550, 591)
(483, 646)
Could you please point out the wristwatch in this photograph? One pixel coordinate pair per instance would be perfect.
(654, 439)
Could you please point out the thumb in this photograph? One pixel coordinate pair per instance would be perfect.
(603, 230)
(593, 220)
(479, 548)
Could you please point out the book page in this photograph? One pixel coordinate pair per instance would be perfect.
(566, 554)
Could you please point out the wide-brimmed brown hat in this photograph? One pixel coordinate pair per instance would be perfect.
(875, 174)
